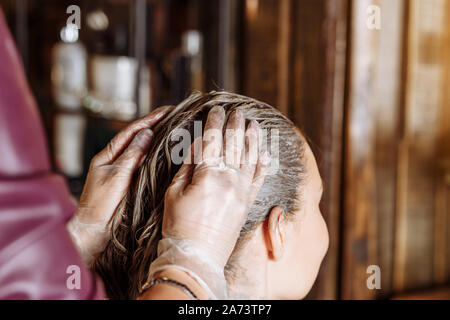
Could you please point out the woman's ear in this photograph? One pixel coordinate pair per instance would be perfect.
(274, 233)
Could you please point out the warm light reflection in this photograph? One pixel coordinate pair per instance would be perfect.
(97, 20)
(252, 7)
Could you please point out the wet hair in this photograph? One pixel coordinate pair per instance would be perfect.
(125, 262)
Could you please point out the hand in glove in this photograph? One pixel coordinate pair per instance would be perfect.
(208, 201)
(108, 180)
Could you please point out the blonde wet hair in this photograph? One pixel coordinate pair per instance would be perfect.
(125, 262)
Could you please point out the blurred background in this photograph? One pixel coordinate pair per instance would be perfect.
(367, 81)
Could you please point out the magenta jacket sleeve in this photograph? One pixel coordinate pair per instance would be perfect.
(37, 257)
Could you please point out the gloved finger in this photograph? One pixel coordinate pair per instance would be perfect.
(250, 156)
(234, 139)
(212, 138)
(116, 146)
(261, 171)
(183, 177)
(135, 153)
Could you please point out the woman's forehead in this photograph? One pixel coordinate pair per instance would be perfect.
(313, 174)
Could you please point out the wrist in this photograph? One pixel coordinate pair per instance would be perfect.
(217, 253)
(91, 216)
(165, 291)
(89, 239)
(188, 257)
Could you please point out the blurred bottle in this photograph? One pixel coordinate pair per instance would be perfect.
(69, 86)
(193, 48)
(68, 73)
(189, 72)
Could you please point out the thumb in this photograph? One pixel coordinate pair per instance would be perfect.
(135, 153)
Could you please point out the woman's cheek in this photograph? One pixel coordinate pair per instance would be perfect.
(325, 238)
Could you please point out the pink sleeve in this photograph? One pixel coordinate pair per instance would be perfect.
(37, 257)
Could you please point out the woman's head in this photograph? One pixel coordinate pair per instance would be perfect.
(283, 221)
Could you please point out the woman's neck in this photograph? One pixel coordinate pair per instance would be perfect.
(247, 277)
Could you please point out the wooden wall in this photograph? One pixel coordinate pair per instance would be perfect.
(371, 139)
(295, 54)
(375, 105)
(422, 212)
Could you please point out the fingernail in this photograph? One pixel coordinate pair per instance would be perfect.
(254, 125)
(163, 111)
(238, 114)
(218, 110)
(167, 108)
(265, 158)
(143, 138)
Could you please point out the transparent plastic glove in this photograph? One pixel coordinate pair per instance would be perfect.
(108, 180)
(207, 204)
(89, 238)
